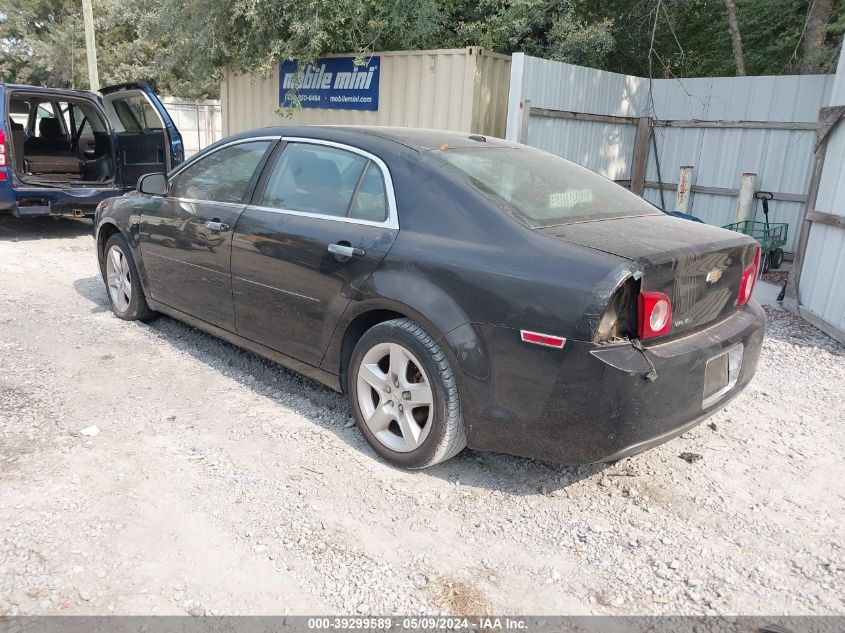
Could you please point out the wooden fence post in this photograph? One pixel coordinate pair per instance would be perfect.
(639, 161)
(828, 118)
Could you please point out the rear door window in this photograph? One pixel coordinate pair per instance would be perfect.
(43, 111)
(136, 113)
(327, 181)
(222, 176)
(19, 112)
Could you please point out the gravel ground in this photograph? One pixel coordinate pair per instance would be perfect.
(217, 482)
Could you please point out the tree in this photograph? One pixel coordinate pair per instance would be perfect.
(815, 34)
(43, 44)
(184, 44)
(736, 39)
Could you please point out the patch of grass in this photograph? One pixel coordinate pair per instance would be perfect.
(457, 597)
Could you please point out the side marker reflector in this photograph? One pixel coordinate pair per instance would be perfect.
(545, 340)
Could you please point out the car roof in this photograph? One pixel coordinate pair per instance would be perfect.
(59, 92)
(414, 138)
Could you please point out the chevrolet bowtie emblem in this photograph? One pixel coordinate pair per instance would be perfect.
(713, 276)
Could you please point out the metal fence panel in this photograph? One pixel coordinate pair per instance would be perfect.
(559, 86)
(822, 283)
(781, 158)
(822, 287)
(605, 148)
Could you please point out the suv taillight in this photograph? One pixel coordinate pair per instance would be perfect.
(749, 278)
(655, 314)
(3, 159)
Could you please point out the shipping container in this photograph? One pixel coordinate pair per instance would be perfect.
(464, 90)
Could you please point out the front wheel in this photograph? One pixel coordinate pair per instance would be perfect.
(404, 396)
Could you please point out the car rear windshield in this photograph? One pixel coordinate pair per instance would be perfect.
(541, 189)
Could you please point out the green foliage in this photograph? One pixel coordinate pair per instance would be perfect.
(182, 45)
(545, 28)
(43, 43)
(692, 36)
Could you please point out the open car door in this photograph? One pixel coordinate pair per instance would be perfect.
(146, 137)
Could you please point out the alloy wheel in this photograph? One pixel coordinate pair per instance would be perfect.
(118, 278)
(395, 397)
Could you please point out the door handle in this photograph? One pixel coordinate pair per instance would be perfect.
(342, 250)
(217, 225)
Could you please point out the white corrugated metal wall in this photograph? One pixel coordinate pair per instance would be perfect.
(781, 158)
(603, 147)
(461, 89)
(821, 289)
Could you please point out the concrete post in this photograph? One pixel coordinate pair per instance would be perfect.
(685, 182)
(525, 115)
(745, 200)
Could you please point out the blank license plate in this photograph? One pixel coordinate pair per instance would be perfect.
(721, 374)
(715, 375)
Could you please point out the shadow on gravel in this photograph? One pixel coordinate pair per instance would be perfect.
(93, 289)
(328, 409)
(14, 229)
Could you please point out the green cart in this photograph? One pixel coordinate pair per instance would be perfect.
(771, 236)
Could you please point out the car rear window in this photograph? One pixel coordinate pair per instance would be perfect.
(541, 189)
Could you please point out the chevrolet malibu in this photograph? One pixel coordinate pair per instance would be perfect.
(461, 290)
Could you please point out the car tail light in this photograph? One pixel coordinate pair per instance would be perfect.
(655, 314)
(749, 278)
(2, 149)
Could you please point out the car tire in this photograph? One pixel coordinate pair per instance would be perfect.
(123, 287)
(419, 423)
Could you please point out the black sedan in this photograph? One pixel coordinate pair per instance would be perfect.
(461, 290)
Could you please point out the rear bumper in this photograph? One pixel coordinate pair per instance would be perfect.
(592, 403)
(43, 201)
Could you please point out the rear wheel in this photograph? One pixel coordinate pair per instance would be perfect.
(404, 396)
(121, 276)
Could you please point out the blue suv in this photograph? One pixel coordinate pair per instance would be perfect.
(63, 151)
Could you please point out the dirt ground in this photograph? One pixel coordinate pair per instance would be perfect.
(216, 482)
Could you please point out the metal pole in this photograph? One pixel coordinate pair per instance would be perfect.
(684, 189)
(199, 135)
(745, 199)
(90, 46)
(639, 160)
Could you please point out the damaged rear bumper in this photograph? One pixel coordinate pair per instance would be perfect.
(592, 403)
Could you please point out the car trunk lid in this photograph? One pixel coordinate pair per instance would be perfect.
(698, 266)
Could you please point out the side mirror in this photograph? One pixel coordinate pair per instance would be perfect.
(153, 184)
